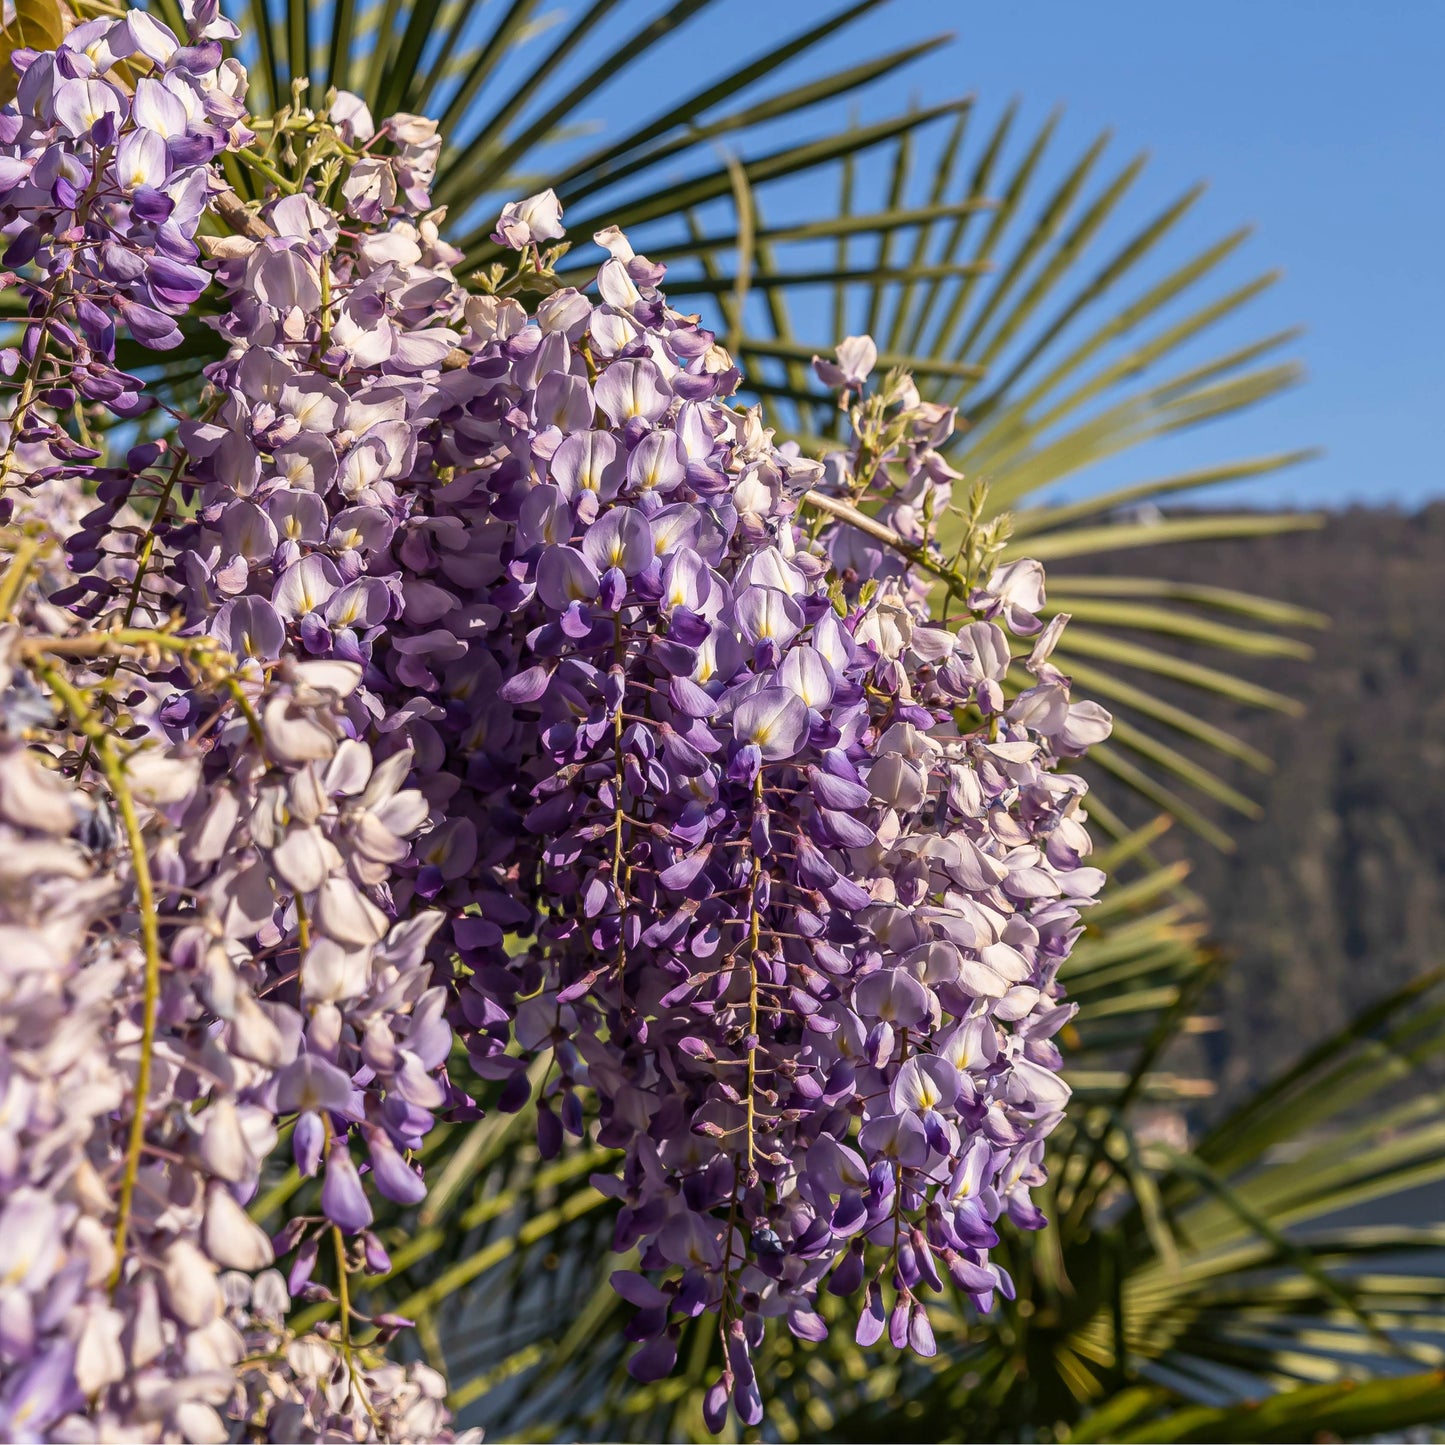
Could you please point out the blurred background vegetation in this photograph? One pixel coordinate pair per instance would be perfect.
(1244, 1240)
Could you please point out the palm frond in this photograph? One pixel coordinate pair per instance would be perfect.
(1343, 1411)
(1011, 283)
(1227, 1276)
(1046, 394)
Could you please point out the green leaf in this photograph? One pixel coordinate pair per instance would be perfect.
(1211, 527)
(1096, 683)
(919, 365)
(1348, 1409)
(495, 163)
(977, 188)
(747, 242)
(602, 165)
(1138, 741)
(35, 25)
(505, 36)
(773, 166)
(1220, 599)
(1171, 622)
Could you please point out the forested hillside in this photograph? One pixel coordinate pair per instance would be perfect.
(1337, 894)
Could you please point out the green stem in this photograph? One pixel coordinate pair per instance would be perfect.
(116, 640)
(26, 397)
(326, 319)
(343, 1296)
(343, 1291)
(15, 575)
(150, 944)
(114, 770)
(755, 922)
(303, 947)
(264, 168)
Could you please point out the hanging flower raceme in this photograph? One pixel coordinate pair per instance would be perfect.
(150, 1049)
(797, 920)
(485, 623)
(105, 173)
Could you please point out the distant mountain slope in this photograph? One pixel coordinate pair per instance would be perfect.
(1338, 894)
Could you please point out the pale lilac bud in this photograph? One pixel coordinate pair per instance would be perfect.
(857, 356)
(190, 1290)
(525, 223)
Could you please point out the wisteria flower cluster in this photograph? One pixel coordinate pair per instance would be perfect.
(796, 929)
(504, 691)
(104, 184)
(147, 1066)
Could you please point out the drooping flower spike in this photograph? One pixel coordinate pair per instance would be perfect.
(482, 624)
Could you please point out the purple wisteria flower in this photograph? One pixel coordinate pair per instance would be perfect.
(479, 625)
(857, 356)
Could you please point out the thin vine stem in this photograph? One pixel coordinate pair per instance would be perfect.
(755, 923)
(16, 574)
(113, 768)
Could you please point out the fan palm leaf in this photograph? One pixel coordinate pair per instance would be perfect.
(975, 264)
(1224, 1276)
(1342, 1411)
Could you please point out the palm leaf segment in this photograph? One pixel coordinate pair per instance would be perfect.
(998, 281)
(1224, 1276)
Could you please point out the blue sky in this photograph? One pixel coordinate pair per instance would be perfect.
(1322, 122)
(1319, 121)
